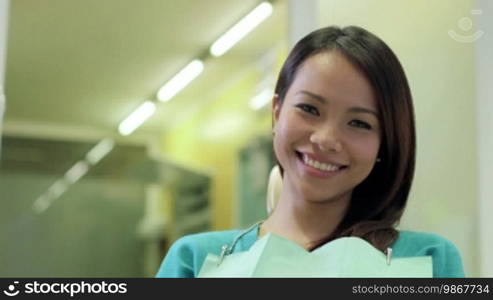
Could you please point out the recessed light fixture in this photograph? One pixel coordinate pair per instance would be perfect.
(241, 29)
(136, 118)
(99, 151)
(76, 172)
(180, 80)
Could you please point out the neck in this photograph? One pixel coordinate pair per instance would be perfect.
(307, 223)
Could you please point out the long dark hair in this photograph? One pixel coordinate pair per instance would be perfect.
(378, 202)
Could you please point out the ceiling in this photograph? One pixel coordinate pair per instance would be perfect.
(81, 67)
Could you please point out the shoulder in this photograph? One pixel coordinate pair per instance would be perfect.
(186, 255)
(205, 240)
(446, 257)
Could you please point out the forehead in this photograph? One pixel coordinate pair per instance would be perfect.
(332, 76)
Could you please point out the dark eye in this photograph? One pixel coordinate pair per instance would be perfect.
(309, 109)
(360, 124)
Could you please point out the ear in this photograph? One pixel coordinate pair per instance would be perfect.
(276, 108)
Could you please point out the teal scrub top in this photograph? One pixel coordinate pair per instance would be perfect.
(186, 256)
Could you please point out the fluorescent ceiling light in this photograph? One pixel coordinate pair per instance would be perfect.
(180, 80)
(42, 203)
(99, 151)
(241, 29)
(261, 99)
(76, 172)
(136, 118)
(73, 175)
(58, 188)
(45, 200)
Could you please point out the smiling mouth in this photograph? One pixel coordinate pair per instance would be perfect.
(319, 166)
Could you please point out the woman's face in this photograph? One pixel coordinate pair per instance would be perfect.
(327, 131)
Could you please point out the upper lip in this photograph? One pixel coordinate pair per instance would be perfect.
(322, 159)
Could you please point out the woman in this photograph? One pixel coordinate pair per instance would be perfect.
(344, 138)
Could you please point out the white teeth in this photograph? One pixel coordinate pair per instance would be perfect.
(318, 165)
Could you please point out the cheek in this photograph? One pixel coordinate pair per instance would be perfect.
(283, 132)
(366, 150)
(276, 147)
(373, 148)
(291, 126)
(286, 135)
(279, 142)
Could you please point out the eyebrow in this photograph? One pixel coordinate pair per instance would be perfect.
(363, 110)
(314, 96)
(352, 109)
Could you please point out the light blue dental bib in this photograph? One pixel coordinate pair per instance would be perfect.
(275, 256)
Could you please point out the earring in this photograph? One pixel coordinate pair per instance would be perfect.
(378, 159)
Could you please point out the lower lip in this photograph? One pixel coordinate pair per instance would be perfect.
(316, 172)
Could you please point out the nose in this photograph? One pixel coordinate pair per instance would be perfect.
(326, 139)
